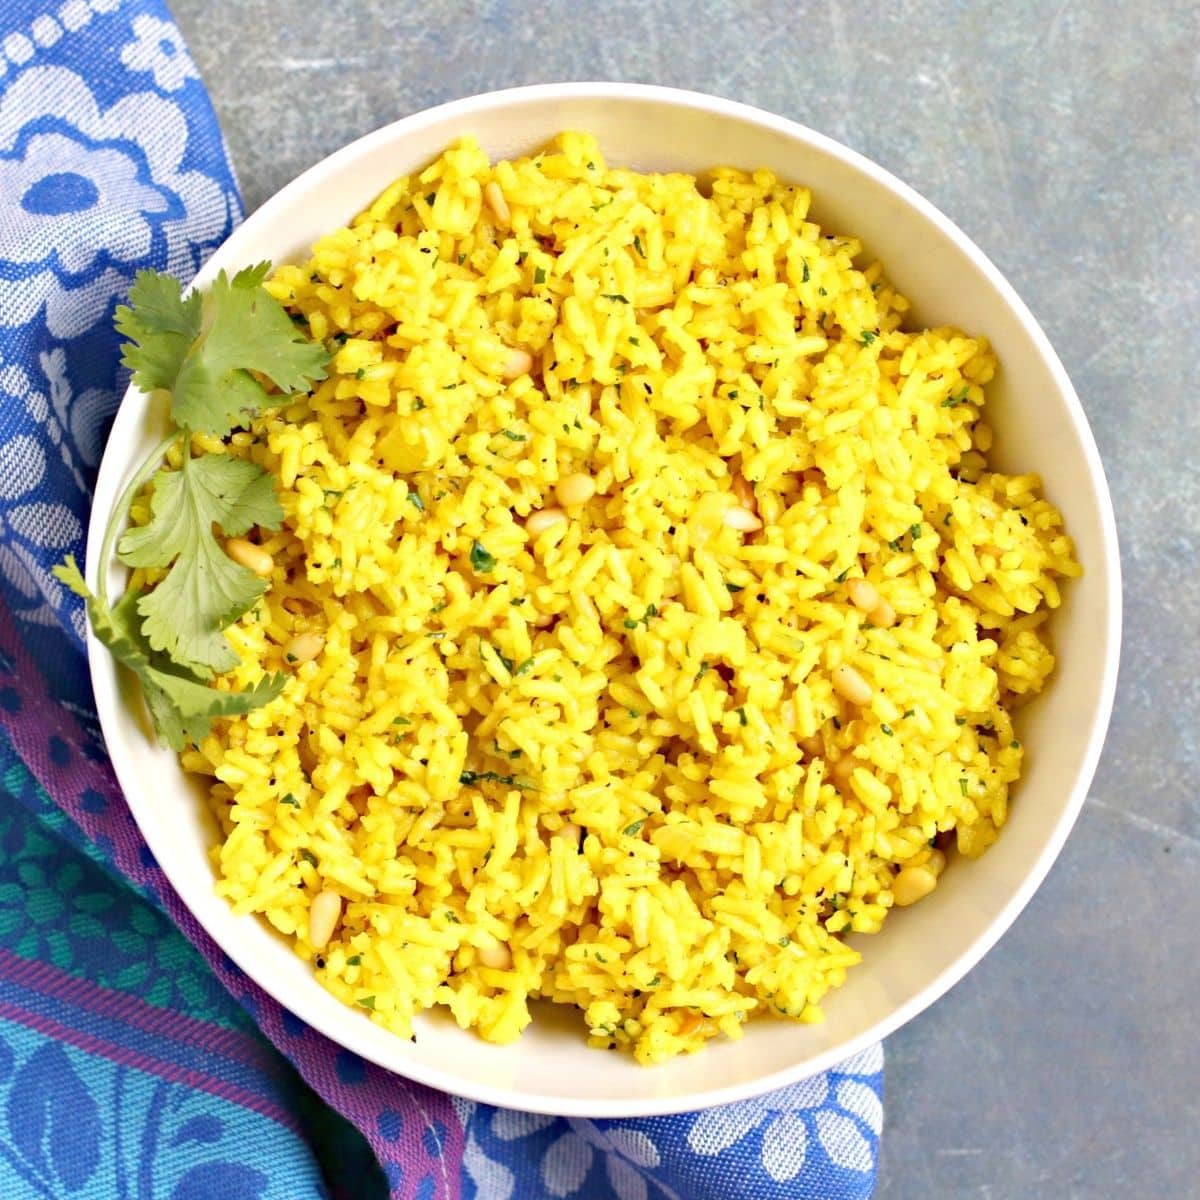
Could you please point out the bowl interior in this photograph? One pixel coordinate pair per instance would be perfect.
(1039, 425)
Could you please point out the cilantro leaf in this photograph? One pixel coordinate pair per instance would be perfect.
(204, 590)
(181, 706)
(159, 329)
(203, 348)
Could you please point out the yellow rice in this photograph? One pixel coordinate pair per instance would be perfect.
(640, 671)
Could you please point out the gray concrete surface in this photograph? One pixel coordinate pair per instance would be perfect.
(1062, 137)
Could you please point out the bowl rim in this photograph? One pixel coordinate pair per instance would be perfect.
(1105, 574)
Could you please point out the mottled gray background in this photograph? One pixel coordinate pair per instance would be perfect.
(1062, 137)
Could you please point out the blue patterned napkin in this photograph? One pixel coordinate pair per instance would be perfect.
(135, 1060)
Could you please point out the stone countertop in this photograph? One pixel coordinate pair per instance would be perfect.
(1062, 138)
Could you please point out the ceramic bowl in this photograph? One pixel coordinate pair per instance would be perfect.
(1039, 425)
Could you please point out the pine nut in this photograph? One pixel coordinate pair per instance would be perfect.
(850, 685)
(247, 554)
(883, 615)
(323, 917)
(519, 363)
(304, 647)
(743, 489)
(544, 519)
(911, 885)
(862, 594)
(494, 198)
(569, 832)
(742, 519)
(575, 489)
(497, 956)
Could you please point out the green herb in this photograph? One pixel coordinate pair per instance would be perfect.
(894, 545)
(785, 941)
(962, 786)
(462, 258)
(401, 721)
(470, 778)
(481, 560)
(733, 393)
(634, 829)
(309, 857)
(914, 532)
(201, 350)
(734, 588)
(634, 341)
(367, 1002)
(513, 437)
(361, 373)
(418, 404)
(630, 623)
(822, 291)
(452, 917)
(1014, 745)
(637, 245)
(867, 337)
(517, 601)
(700, 674)
(290, 799)
(806, 276)
(615, 296)
(842, 577)
(415, 500)
(741, 712)
(888, 730)
(960, 720)
(957, 399)
(430, 198)
(527, 665)
(908, 712)
(539, 275)
(355, 960)
(654, 982)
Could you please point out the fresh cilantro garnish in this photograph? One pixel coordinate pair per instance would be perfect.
(204, 589)
(210, 352)
(203, 349)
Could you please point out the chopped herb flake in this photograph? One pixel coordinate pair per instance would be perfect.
(634, 829)
(962, 786)
(539, 275)
(481, 560)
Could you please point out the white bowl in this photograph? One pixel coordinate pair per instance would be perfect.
(1039, 426)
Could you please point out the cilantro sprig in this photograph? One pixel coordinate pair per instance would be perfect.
(210, 352)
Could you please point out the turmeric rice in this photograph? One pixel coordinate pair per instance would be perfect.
(654, 620)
